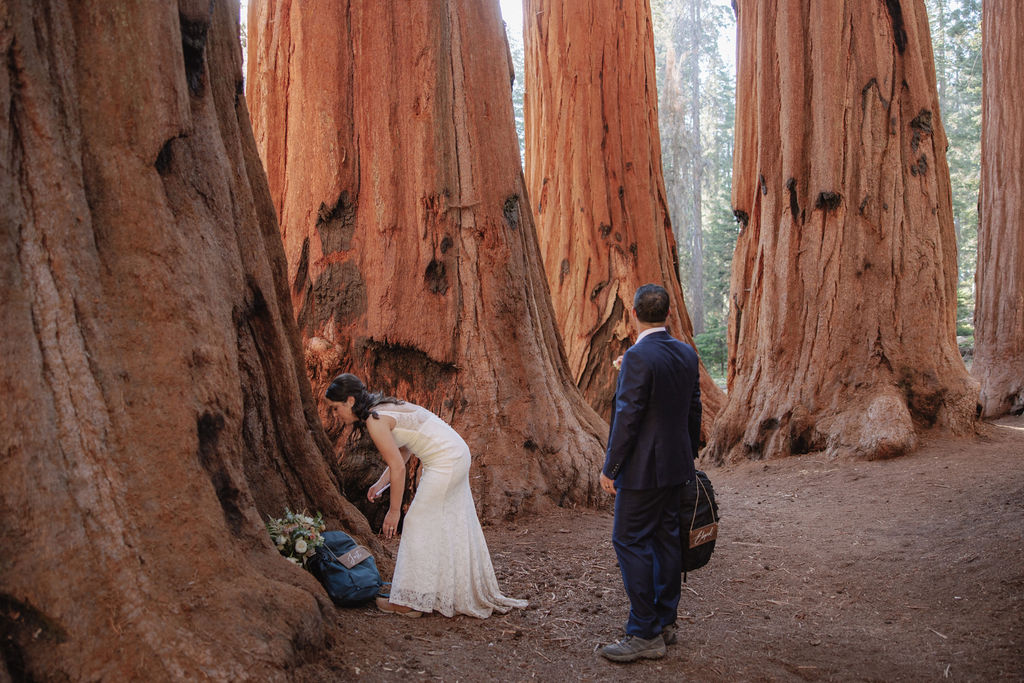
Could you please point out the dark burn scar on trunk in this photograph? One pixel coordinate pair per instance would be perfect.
(899, 33)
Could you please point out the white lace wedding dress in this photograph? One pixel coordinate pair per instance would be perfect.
(443, 563)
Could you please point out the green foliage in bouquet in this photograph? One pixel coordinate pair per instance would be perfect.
(297, 535)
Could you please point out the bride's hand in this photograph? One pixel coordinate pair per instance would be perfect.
(373, 493)
(390, 524)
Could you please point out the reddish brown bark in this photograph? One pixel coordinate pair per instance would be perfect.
(593, 166)
(999, 300)
(388, 137)
(842, 328)
(155, 404)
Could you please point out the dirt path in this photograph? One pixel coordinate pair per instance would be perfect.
(909, 569)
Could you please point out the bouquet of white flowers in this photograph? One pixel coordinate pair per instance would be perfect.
(297, 535)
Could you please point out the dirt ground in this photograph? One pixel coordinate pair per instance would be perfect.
(907, 569)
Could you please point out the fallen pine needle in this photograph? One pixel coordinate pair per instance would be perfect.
(938, 634)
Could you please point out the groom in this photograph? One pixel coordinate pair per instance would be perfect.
(655, 433)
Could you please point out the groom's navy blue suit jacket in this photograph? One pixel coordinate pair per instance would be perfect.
(655, 428)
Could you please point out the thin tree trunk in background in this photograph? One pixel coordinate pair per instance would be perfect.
(942, 81)
(999, 312)
(695, 230)
(676, 154)
(679, 124)
(668, 94)
(594, 172)
(155, 408)
(390, 146)
(942, 65)
(842, 328)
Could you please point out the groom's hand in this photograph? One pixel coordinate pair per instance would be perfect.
(607, 484)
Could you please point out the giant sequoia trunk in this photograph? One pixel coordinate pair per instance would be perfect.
(155, 407)
(999, 302)
(842, 325)
(593, 166)
(389, 141)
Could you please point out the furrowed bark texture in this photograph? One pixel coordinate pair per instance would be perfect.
(388, 137)
(155, 406)
(593, 166)
(842, 325)
(999, 298)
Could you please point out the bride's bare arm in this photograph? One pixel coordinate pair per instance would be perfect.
(385, 478)
(380, 432)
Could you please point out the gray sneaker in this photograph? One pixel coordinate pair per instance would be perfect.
(668, 633)
(632, 648)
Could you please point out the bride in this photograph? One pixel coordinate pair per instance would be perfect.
(443, 564)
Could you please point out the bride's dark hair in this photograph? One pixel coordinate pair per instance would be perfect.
(346, 385)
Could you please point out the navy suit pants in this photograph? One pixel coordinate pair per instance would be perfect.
(645, 535)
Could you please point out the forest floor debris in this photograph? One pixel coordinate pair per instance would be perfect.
(904, 569)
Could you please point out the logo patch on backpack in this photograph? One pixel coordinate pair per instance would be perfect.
(703, 535)
(354, 556)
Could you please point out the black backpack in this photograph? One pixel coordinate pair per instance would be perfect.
(698, 523)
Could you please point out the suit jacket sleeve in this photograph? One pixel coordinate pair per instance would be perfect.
(694, 418)
(631, 399)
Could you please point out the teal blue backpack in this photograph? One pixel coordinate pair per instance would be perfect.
(346, 570)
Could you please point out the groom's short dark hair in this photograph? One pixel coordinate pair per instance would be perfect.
(651, 304)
